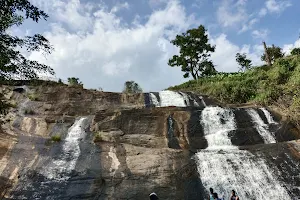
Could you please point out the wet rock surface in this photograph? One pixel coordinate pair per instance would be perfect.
(130, 148)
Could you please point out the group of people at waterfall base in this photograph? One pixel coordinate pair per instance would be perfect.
(212, 196)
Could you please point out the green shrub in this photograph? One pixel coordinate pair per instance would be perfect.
(56, 138)
(33, 97)
(98, 137)
(295, 51)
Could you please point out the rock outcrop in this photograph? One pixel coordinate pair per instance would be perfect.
(128, 147)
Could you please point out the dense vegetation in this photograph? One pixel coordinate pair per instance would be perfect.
(275, 85)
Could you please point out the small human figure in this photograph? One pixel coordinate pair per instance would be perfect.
(234, 196)
(215, 195)
(211, 194)
(153, 196)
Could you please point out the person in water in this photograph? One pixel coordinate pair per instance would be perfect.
(153, 196)
(211, 194)
(234, 196)
(215, 197)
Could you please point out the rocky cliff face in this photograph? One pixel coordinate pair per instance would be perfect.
(121, 146)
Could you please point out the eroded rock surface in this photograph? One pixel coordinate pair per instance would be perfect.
(126, 148)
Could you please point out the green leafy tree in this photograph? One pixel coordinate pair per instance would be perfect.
(194, 53)
(74, 81)
(12, 62)
(242, 60)
(274, 52)
(132, 87)
(295, 51)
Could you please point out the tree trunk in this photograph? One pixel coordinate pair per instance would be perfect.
(267, 55)
(193, 73)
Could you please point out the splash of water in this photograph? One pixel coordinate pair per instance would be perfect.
(153, 100)
(60, 169)
(261, 127)
(224, 167)
(217, 123)
(171, 98)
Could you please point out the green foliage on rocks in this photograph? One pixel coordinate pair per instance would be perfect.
(260, 84)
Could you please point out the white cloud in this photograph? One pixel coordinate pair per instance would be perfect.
(287, 48)
(260, 34)
(230, 14)
(262, 12)
(110, 52)
(277, 6)
(198, 3)
(249, 25)
(120, 6)
(224, 56)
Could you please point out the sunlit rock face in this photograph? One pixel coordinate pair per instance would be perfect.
(126, 146)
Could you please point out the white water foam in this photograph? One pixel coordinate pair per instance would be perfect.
(240, 170)
(185, 98)
(171, 98)
(217, 123)
(203, 102)
(60, 169)
(153, 100)
(268, 116)
(261, 127)
(224, 167)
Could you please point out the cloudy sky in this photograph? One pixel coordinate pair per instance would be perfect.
(107, 42)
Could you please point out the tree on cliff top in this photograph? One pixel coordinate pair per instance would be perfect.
(274, 52)
(242, 60)
(75, 82)
(132, 87)
(295, 51)
(194, 53)
(12, 62)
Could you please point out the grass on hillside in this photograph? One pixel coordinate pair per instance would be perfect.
(262, 85)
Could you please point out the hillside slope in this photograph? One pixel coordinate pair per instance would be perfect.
(276, 87)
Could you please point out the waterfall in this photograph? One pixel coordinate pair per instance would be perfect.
(261, 127)
(171, 98)
(217, 123)
(268, 116)
(60, 169)
(153, 100)
(224, 167)
(203, 102)
(185, 98)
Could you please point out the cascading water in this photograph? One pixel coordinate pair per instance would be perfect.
(203, 102)
(185, 98)
(153, 100)
(224, 167)
(261, 127)
(60, 169)
(268, 116)
(171, 98)
(221, 123)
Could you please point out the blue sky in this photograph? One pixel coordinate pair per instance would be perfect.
(107, 42)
